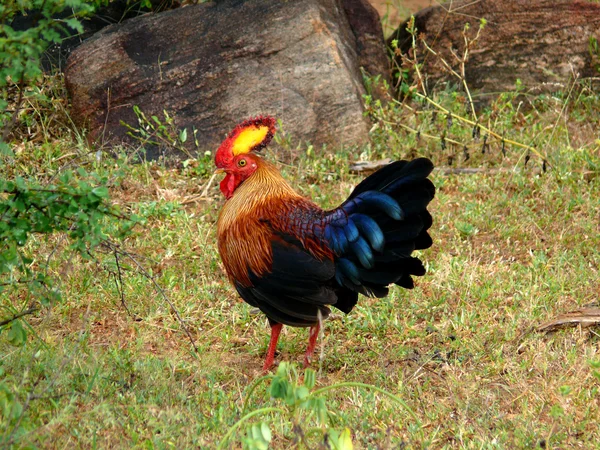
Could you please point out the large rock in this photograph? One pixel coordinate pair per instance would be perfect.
(214, 64)
(365, 23)
(543, 43)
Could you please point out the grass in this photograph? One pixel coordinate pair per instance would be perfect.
(513, 247)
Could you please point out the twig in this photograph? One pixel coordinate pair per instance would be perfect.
(564, 107)
(297, 429)
(463, 76)
(18, 316)
(468, 170)
(207, 187)
(585, 317)
(113, 247)
(13, 120)
(482, 127)
(11, 283)
(368, 166)
(429, 136)
(119, 282)
(55, 248)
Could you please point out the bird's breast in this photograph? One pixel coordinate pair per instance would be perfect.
(244, 243)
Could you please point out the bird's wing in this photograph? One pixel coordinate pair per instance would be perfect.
(298, 288)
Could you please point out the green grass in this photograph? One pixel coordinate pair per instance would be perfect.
(513, 247)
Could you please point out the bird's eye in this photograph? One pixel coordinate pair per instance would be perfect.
(242, 162)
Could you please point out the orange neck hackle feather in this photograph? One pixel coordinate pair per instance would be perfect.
(264, 202)
(242, 232)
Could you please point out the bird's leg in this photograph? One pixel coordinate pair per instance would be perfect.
(275, 330)
(312, 342)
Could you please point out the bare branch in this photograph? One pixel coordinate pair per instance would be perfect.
(114, 247)
(18, 316)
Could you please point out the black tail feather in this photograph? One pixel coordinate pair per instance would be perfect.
(407, 184)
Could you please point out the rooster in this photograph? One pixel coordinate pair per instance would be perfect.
(293, 260)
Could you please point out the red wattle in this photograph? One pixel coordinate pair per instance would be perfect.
(228, 185)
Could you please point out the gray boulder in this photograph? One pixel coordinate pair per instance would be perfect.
(215, 64)
(543, 43)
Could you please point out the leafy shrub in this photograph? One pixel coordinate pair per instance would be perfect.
(76, 205)
(21, 50)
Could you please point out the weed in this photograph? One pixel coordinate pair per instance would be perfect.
(164, 135)
(301, 403)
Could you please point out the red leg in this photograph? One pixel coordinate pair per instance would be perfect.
(275, 330)
(312, 342)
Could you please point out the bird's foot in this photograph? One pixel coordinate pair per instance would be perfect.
(312, 342)
(267, 367)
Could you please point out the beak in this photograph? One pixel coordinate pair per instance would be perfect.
(219, 171)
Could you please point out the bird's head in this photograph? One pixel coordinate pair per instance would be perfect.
(235, 155)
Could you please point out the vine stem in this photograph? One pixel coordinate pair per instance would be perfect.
(425, 135)
(252, 387)
(244, 419)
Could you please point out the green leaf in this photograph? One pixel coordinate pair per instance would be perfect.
(254, 432)
(310, 378)
(17, 410)
(17, 335)
(265, 432)
(565, 390)
(340, 441)
(556, 411)
(258, 437)
(345, 440)
(5, 150)
(594, 364)
(302, 392)
(100, 191)
(276, 390)
(74, 24)
(282, 370)
(290, 394)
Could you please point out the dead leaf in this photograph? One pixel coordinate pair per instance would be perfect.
(586, 317)
(368, 166)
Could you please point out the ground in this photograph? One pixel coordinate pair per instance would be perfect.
(394, 12)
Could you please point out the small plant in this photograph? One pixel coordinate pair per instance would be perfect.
(304, 411)
(465, 229)
(448, 120)
(164, 134)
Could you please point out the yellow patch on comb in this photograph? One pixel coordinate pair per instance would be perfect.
(249, 138)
